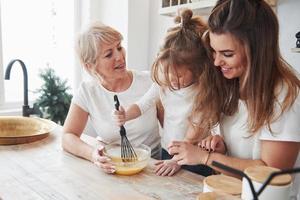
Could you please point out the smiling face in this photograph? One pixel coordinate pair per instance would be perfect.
(111, 63)
(229, 54)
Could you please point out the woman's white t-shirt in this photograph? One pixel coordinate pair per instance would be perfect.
(241, 144)
(99, 103)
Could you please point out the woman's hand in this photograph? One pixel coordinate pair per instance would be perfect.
(119, 116)
(214, 143)
(166, 167)
(186, 153)
(102, 161)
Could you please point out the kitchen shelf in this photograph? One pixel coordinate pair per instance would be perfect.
(296, 50)
(199, 7)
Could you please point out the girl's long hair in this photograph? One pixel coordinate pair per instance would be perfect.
(182, 47)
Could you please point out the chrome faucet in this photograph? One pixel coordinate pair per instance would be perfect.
(26, 110)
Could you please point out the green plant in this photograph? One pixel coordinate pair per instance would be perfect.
(54, 99)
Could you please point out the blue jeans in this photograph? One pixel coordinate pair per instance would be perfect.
(198, 169)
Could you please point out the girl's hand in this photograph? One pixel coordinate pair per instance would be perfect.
(119, 116)
(214, 143)
(166, 167)
(186, 153)
(102, 161)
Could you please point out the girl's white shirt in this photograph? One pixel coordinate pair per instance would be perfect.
(177, 108)
(99, 103)
(241, 144)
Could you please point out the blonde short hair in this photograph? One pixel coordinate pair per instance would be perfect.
(89, 42)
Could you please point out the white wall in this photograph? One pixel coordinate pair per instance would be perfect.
(113, 13)
(288, 12)
(131, 18)
(138, 34)
(158, 27)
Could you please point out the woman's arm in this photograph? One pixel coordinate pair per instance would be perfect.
(71, 142)
(73, 127)
(273, 153)
(188, 154)
(279, 154)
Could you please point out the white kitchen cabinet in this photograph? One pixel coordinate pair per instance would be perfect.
(296, 50)
(200, 7)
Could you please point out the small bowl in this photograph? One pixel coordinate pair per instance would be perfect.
(113, 151)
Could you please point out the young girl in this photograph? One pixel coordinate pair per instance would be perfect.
(177, 71)
(260, 124)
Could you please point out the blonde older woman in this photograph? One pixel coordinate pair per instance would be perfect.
(102, 56)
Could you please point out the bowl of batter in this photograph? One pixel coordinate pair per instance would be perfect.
(113, 151)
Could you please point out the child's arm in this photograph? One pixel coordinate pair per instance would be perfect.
(121, 116)
(192, 136)
(166, 167)
(149, 99)
(137, 109)
(132, 112)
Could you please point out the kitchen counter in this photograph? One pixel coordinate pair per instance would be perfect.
(42, 170)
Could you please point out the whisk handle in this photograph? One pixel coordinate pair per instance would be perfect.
(117, 102)
(117, 105)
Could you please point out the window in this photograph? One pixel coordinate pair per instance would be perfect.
(41, 34)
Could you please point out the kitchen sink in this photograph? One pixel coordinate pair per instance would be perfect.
(20, 130)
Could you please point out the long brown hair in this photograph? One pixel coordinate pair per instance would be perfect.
(254, 24)
(182, 47)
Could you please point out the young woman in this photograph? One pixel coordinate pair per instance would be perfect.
(260, 122)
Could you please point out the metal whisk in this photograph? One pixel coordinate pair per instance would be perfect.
(127, 151)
